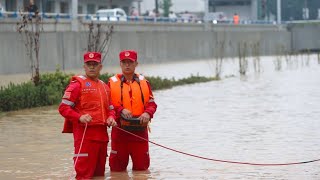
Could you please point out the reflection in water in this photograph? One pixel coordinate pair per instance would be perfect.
(270, 117)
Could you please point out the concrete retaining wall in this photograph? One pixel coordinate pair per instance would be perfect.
(305, 36)
(155, 43)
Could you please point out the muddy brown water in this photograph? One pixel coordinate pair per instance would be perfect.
(267, 117)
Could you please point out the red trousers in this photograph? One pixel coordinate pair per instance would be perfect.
(91, 159)
(120, 152)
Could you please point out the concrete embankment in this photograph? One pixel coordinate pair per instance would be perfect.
(155, 43)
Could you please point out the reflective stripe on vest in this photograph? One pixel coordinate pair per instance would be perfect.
(67, 102)
(81, 155)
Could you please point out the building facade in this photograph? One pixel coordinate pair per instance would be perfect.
(65, 6)
(265, 9)
(246, 9)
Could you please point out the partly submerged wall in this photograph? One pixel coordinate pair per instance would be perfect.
(155, 43)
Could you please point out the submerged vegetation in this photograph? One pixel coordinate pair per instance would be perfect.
(243, 61)
(51, 88)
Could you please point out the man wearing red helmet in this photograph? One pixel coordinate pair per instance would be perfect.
(132, 95)
(87, 110)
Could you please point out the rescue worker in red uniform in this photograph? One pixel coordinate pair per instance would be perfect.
(132, 95)
(236, 18)
(87, 109)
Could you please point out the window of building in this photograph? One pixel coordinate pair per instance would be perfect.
(102, 7)
(80, 10)
(49, 6)
(91, 9)
(229, 3)
(11, 5)
(26, 4)
(64, 7)
(126, 9)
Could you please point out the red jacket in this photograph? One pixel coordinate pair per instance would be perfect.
(69, 109)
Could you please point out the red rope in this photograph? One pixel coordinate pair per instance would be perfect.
(75, 162)
(218, 160)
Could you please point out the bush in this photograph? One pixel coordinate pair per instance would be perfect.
(157, 83)
(105, 77)
(52, 85)
(26, 95)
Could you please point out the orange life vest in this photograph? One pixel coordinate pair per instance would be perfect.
(94, 99)
(120, 93)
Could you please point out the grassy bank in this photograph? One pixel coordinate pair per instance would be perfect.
(52, 85)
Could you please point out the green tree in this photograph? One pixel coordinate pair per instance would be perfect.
(165, 5)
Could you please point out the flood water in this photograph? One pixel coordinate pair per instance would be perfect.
(266, 117)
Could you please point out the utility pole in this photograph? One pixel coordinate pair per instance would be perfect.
(74, 22)
(206, 10)
(139, 7)
(206, 14)
(278, 11)
(157, 6)
(305, 11)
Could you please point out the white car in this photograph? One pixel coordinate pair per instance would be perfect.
(115, 14)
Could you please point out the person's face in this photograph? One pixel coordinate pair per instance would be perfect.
(92, 69)
(128, 66)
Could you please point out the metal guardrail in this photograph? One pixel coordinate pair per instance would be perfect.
(94, 17)
(16, 15)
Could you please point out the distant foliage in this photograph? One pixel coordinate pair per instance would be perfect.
(21, 96)
(26, 95)
(55, 84)
(166, 5)
(105, 77)
(158, 83)
(51, 87)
